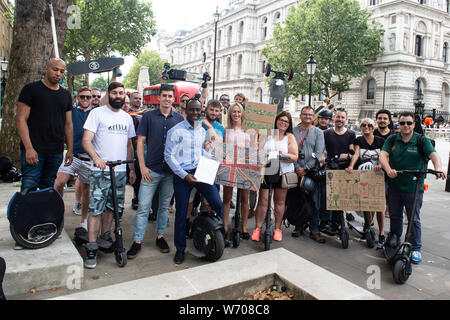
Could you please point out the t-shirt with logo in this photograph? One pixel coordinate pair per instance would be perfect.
(112, 130)
(406, 156)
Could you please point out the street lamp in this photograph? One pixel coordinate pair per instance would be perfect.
(384, 88)
(216, 20)
(311, 69)
(4, 69)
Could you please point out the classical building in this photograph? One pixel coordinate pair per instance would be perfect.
(5, 29)
(413, 70)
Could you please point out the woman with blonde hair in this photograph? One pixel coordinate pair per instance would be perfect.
(369, 146)
(236, 136)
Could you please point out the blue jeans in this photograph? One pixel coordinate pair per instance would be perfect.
(314, 224)
(43, 174)
(146, 192)
(324, 214)
(397, 200)
(182, 190)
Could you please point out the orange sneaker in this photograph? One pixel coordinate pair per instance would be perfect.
(255, 234)
(277, 235)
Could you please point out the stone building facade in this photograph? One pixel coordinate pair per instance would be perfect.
(415, 61)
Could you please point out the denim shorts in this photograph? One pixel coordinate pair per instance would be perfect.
(78, 166)
(101, 191)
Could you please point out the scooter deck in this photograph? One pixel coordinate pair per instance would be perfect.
(390, 253)
(82, 236)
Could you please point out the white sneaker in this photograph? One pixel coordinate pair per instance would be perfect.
(77, 209)
(416, 257)
(84, 225)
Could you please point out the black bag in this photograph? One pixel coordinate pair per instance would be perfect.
(5, 165)
(274, 176)
(36, 217)
(299, 208)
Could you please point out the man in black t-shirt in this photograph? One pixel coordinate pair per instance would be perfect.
(44, 121)
(384, 124)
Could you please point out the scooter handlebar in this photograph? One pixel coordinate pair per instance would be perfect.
(118, 162)
(419, 172)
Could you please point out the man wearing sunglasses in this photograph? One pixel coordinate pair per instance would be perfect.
(96, 96)
(81, 164)
(225, 102)
(183, 100)
(404, 153)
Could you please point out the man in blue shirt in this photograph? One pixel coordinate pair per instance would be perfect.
(213, 110)
(184, 148)
(81, 163)
(153, 130)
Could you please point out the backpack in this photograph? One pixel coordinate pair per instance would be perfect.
(299, 208)
(420, 140)
(5, 165)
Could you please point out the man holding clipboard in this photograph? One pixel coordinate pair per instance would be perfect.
(184, 148)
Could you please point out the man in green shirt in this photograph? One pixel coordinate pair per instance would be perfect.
(404, 154)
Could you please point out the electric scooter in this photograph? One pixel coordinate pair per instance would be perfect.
(81, 236)
(236, 231)
(364, 229)
(399, 254)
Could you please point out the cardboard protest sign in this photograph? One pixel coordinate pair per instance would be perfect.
(260, 116)
(358, 191)
(240, 167)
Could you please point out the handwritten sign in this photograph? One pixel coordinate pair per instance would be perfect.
(260, 116)
(358, 191)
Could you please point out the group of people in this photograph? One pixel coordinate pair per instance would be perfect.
(166, 145)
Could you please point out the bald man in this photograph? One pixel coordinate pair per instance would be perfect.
(44, 122)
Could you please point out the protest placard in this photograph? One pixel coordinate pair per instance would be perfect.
(358, 191)
(260, 116)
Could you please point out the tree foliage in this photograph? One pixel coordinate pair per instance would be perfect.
(147, 58)
(337, 32)
(123, 26)
(100, 82)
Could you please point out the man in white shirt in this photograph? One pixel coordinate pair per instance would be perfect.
(107, 137)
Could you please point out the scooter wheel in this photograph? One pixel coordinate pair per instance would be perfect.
(370, 239)
(236, 239)
(344, 239)
(121, 258)
(400, 271)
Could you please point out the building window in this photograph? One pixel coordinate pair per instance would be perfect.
(230, 36)
(228, 68)
(422, 1)
(264, 28)
(374, 2)
(370, 89)
(241, 31)
(239, 66)
(418, 91)
(418, 50)
(445, 51)
(446, 6)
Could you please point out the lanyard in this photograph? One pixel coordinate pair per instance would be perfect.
(300, 144)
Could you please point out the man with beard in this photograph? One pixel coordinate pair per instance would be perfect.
(44, 119)
(338, 142)
(215, 131)
(153, 130)
(107, 137)
(184, 148)
(384, 123)
(81, 163)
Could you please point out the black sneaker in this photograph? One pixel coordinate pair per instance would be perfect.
(381, 241)
(232, 206)
(91, 255)
(134, 203)
(179, 257)
(134, 250)
(162, 245)
(105, 243)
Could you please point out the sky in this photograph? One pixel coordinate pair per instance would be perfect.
(173, 15)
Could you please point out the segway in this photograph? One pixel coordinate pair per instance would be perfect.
(363, 229)
(399, 254)
(208, 235)
(81, 236)
(36, 217)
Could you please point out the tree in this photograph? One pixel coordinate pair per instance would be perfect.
(122, 26)
(100, 83)
(29, 57)
(147, 58)
(339, 34)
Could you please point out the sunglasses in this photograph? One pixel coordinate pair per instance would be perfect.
(283, 121)
(85, 97)
(184, 100)
(96, 96)
(224, 99)
(363, 125)
(402, 123)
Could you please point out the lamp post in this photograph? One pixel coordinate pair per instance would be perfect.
(108, 48)
(216, 20)
(384, 88)
(4, 69)
(311, 69)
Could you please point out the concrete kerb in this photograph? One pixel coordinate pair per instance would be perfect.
(246, 275)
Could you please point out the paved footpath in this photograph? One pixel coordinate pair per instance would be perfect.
(363, 266)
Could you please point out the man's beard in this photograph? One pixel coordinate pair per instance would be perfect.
(116, 103)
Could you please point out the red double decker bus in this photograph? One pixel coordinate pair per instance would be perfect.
(151, 94)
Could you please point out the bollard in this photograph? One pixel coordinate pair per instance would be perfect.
(447, 185)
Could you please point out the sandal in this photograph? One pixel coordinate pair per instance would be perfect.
(245, 235)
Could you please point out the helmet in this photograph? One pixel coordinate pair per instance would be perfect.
(325, 113)
(307, 185)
